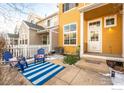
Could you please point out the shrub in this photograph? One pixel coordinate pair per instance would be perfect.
(70, 59)
(78, 51)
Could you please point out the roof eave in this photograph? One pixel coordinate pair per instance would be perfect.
(91, 6)
(42, 31)
(54, 14)
(31, 28)
(56, 26)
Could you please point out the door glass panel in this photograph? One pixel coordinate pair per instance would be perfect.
(95, 23)
(94, 31)
(98, 23)
(94, 36)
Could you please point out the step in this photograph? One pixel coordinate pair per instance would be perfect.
(93, 65)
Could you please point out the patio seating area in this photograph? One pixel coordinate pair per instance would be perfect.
(50, 70)
(38, 71)
(70, 75)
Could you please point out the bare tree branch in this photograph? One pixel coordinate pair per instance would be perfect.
(18, 7)
(2, 44)
(7, 10)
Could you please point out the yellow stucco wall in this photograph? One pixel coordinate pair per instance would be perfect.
(111, 40)
(111, 37)
(71, 16)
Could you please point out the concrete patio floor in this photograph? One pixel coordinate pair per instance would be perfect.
(78, 74)
(73, 75)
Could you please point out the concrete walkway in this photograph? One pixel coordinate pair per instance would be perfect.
(73, 75)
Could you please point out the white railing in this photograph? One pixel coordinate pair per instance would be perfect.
(27, 51)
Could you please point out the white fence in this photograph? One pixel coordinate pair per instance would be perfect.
(27, 51)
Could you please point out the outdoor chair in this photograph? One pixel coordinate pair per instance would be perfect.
(22, 63)
(13, 61)
(40, 56)
(6, 56)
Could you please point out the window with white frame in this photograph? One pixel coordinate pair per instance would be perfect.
(110, 21)
(70, 34)
(44, 40)
(48, 22)
(68, 6)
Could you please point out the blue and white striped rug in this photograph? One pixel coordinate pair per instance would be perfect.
(40, 73)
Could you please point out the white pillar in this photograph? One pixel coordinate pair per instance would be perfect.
(81, 34)
(50, 40)
(16, 51)
(123, 31)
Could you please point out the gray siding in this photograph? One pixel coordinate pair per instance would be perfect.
(35, 38)
(54, 40)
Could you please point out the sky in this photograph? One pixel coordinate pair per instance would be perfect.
(7, 24)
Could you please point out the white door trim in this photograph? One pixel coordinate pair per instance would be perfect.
(123, 31)
(90, 21)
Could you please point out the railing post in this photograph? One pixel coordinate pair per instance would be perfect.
(50, 39)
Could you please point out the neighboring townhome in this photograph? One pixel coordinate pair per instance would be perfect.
(29, 40)
(35, 34)
(12, 43)
(49, 36)
(97, 28)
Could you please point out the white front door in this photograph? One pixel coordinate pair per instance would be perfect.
(95, 36)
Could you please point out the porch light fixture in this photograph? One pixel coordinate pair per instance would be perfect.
(110, 29)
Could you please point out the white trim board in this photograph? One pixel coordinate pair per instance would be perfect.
(104, 57)
(123, 32)
(91, 6)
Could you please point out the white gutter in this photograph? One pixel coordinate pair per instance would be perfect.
(120, 59)
(42, 31)
(91, 6)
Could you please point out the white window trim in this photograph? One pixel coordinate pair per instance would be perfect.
(69, 10)
(107, 17)
(45, 39)
(71, 32)
(52, 21)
